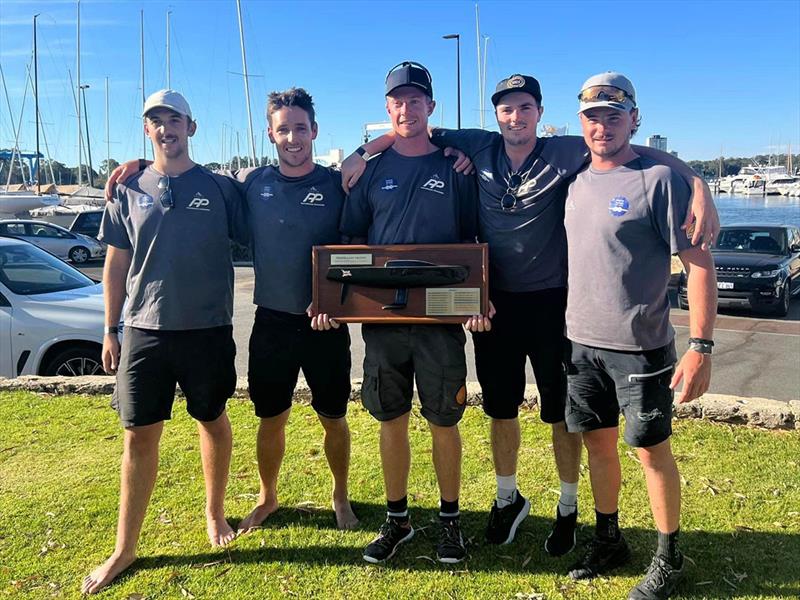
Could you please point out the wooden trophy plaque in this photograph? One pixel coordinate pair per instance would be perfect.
(414, 284)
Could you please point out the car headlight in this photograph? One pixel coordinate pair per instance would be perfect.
(765, 274)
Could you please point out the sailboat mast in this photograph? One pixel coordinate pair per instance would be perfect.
(78, 93)
(36, 100)
(252, 141)
(108, 138)
(141, 54)
(480, 85)
(169, 78)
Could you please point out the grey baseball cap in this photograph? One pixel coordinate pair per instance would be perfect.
(517, 83)
(409, 73)
(622, 98)
(167, 99)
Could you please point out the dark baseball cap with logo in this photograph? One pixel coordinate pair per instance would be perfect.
(409, 73)
(517, 83)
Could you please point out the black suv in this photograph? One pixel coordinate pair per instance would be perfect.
(758, 266)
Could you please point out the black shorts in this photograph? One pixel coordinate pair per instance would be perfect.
(603, 383)
(283, 343)
(396, 355)
(151, 362)
(528, 325)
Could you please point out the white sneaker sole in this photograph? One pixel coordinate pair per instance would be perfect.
(526, 508)
(375, 561)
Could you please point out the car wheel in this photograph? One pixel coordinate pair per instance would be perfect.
(781, 309)
(79, 255)
(75, 361)
(683, 304)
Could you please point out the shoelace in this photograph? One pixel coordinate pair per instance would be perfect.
(452, 533)
(657, 574)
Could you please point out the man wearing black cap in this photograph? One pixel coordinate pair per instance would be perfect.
(411, 195)
(522, 183)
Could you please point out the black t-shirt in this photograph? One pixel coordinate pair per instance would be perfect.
(527, 244)
(412, 200)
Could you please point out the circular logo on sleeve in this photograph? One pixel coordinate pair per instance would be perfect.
(618, 206)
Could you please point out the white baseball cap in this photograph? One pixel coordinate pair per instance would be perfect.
(167, 99)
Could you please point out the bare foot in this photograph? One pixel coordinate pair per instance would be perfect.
(105, 573)
(345, 517)
(258, 515)
(220, 533)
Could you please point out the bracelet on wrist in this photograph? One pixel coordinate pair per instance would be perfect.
(111, 330)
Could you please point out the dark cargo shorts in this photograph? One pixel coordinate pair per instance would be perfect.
(602, 383)
(528, 325)
(396, 355)
(283, 343)
(151, 362)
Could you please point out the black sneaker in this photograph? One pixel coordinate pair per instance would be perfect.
(503, 522)
(660, 580)
(451, 548)
(390, 535)
(562, 537)
(601, 556)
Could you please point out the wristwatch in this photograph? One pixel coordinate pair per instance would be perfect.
(363, 153)
(701, 345)
(113, 329)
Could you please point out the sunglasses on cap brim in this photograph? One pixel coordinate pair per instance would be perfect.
(605, 93)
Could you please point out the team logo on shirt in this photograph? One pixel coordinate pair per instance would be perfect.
(434, 184)
(199, 203)
(266, 192)
(314, 198)
(389, 184)
(144, 201)
(618, 206)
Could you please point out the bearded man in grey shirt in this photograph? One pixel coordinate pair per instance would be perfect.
(623, 221)
(168, 248)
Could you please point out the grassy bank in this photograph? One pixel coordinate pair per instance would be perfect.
(59, 461)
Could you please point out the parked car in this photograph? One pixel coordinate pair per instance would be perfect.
(51, 314)
(55, 239)
(758, 266)
(87, 223)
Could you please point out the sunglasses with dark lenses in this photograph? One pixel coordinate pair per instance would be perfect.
(509, 199)
(604, 93)
(166, 193)
(410, 63)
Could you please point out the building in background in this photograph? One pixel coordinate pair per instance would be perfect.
(656, 141)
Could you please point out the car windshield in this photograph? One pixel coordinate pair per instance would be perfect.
(28, 270)
(761, 241)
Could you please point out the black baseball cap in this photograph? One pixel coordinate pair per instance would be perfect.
(517, 83)
(409, 73)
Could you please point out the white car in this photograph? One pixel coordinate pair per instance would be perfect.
(55, 239)
(51, 314)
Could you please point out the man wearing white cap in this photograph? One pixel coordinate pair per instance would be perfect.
(168, 234)
(623, 221)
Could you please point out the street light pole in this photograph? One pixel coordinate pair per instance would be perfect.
(457, 38)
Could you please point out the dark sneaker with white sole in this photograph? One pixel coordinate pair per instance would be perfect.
(503, 522)
(390, 535)
(451, 548)
(659, 582)
(562, 537)
(600, 557)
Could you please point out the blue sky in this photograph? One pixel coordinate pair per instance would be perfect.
(711, 76)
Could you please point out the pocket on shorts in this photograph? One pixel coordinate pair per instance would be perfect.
(649, 395)
(371, 389)
(453, 397)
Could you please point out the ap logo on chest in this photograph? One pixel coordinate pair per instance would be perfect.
(618, 206)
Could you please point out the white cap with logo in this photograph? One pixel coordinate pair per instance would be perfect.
(610, 89)
(167, 99)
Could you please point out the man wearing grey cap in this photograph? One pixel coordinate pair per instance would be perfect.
(522, 184)
(411, 195)
(623, 221)
(168, 237)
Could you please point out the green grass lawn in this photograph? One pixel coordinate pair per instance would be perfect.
(59, 469)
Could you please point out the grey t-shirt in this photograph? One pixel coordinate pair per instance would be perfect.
(287, 216)
(181, 275)
(622, 226)
(412, 200)
(527, 244)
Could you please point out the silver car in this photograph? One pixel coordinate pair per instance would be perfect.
(55, 239)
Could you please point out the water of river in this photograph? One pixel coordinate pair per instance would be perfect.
(756, 209)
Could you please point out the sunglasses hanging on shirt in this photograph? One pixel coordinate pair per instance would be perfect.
(166, 193)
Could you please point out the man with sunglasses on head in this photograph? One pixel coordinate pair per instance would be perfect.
(522, 182)
(623, 221)
(168, 237)
(411, 195)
